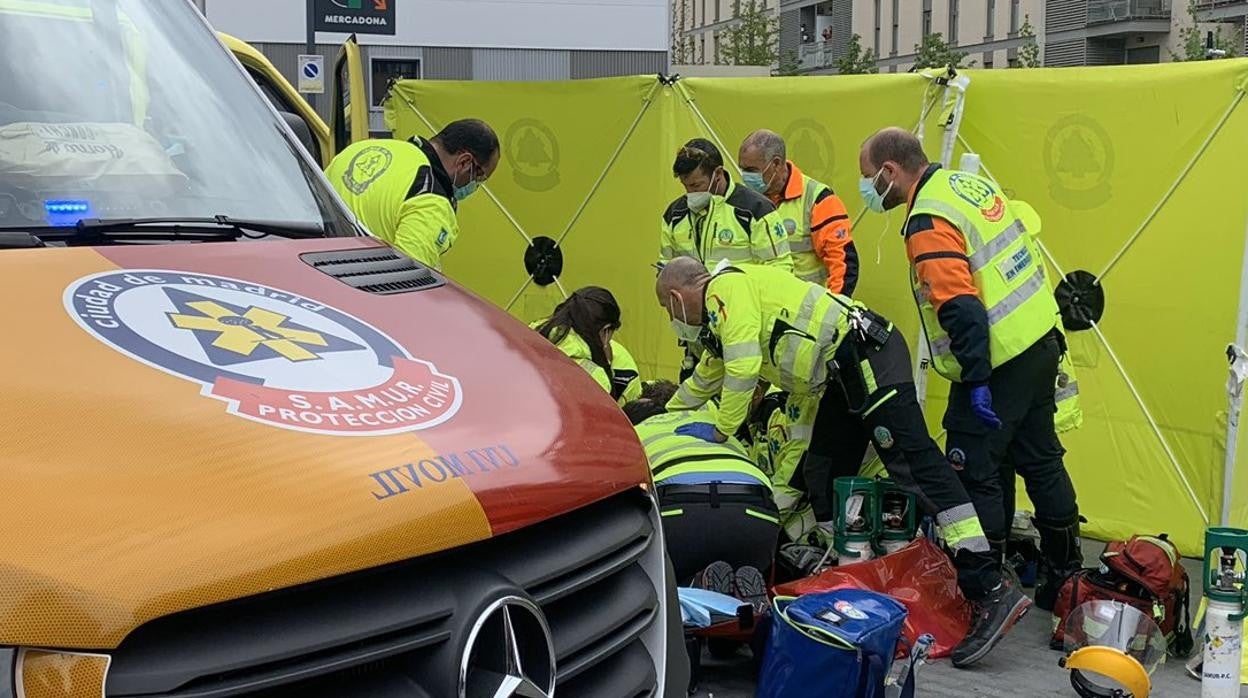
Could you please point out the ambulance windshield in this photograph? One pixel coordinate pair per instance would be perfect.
(118, 109)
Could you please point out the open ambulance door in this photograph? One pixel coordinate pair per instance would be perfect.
(290, 105)
(350, 105)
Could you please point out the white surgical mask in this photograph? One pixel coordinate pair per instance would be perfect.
(698, 201)
(682, 328)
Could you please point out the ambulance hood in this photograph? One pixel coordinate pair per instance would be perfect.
(188, 424)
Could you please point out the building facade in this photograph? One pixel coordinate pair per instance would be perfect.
(467, 40)
(991, 32)
(698, 28)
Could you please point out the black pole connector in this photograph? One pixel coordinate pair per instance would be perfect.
(543, 260)
(1080, 299)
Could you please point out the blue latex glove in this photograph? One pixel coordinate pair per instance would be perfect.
(981, 405)
(701, 430)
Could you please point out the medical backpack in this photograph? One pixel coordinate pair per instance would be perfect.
(1144, 572)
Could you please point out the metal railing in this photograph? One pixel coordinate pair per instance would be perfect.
(1106, 11)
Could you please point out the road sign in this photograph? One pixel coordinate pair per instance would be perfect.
(311, 74)
(355, 16)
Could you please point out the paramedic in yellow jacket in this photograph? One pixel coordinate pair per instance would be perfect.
(408, 192)
(718, 220)
(583, 327)
(760, 323)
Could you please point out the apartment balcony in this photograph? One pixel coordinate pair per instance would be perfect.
(1123, 17)
(1221, 10)
(814, 55)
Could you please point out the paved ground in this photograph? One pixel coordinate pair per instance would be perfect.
(1022, 665)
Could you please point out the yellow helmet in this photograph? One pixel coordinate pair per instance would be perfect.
(1114, 673)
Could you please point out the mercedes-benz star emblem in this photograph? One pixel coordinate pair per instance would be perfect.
(509, 653)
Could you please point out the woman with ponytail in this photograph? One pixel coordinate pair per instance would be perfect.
(582, 327)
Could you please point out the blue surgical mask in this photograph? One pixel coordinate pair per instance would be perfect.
(756, 180)
(872, 198)
(466, 191)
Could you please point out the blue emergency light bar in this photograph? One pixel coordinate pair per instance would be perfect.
(66, 212)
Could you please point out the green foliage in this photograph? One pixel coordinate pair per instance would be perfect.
(755, 37)
(1193, 40)
(790, 64)
(856, 61)
(934, 52)
(1029, 52)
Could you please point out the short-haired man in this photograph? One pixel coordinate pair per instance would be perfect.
(407, 193)
(990, 320)
(718, 220)
(814, 217)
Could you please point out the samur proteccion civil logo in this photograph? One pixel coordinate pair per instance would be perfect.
(271, 356)
(978, 194)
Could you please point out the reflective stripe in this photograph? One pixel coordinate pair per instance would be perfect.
(816, 277)
(742, 350)
(740, 385)
(706, 384)
(761, 515)
(801, 433)
(941, 344)
(657, 437)
(800, 245)
(1033, 285)
(733, 254)
(671, 512)
(983, 255)
(1071, 390)
(806, 312)
(808, 205)
(588, 365)
(685, 396)
(954, 216)
(887, 396)
(962, 529)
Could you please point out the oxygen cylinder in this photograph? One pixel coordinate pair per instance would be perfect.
(898, 519)
(857, 518)
(1226, 553)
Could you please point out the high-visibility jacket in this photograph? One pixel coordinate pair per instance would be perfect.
(623, 382)
(1066, 393)
(778, 451)
(688, 460)
(1005, 264)
(741, 227)
(818, 227)
(401, 193)
(625, 378)
(764, 323)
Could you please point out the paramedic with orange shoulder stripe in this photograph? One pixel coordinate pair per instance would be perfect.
(990, 320)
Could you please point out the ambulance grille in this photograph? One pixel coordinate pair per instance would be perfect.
(378, 270)
(399, 630)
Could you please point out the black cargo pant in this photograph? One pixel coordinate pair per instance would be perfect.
(878, 404)
(1027, 444)
(702, 524)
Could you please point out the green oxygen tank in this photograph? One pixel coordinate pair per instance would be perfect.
(857, 518)
(899, 520)
(1226, 557)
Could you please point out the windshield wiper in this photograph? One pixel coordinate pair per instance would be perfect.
(204, 229)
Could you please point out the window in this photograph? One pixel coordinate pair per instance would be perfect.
(383, 70)
(702, 48)
(896, 19)
(990, 28)
(953, 22)
(717, 4)
(927, 17)
(877, 28)
(704, 22)
(1014, 23)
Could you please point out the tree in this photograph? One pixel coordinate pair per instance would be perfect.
(1029, 52)
(1194, 41)
(856, 61)
(682, 47)
(754, 39)
(935, 53)
(790, 64)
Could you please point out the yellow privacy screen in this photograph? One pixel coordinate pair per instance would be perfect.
(1127, 167)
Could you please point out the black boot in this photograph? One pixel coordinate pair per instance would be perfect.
(994, 615)
(1060, 557)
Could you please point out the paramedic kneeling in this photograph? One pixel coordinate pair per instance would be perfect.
(716, 504)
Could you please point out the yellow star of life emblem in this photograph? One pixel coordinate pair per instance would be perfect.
(255, 327)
